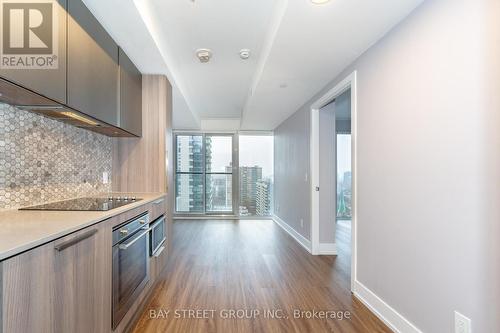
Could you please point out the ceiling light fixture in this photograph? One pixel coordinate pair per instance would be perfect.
(244, 54)
(204, 55)
(319, 2)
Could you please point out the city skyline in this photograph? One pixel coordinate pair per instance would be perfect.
(215, 191)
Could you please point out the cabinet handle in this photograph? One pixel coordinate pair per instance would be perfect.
(157, 202)
(159, 251)
(75, 240)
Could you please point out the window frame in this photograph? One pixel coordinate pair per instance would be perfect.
(234, 174)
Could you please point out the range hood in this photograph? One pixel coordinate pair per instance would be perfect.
(27, 100)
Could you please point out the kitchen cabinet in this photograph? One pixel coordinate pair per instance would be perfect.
(93, 77)
(66, 285)
(159, 259)
(141, 165)
(62, 286)
(93, 72)
(49, 82)
(158, 208)
(130, 95)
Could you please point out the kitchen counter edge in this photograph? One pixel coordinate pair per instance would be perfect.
(16, 224)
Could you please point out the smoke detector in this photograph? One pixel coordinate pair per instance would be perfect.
(244, 54)
(204, 55)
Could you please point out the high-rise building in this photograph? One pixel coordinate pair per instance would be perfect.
(249, 176)
(189, 187)
(263, 198)
(344, 193)
(220, 192)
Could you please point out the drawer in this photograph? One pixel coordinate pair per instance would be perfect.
(159, 261)
(158, 208)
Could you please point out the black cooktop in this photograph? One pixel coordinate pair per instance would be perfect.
(86, 204)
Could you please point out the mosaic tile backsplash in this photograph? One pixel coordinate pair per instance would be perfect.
(44, 160)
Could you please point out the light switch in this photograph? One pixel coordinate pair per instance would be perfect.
(105, 177)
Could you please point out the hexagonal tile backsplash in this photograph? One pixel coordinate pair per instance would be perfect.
(45, 160)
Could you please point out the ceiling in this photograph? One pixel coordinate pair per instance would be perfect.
(296, 49)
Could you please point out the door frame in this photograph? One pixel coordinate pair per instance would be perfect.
(348, 83)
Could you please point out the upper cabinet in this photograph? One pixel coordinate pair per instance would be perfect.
(130, 96)
(37, 62)
(71, 61)
(93, 86)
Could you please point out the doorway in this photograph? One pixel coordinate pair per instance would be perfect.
(335, 174)
(339, 105)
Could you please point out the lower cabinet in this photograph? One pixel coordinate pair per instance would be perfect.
(159, 258)
(62, 286)
(66, 285)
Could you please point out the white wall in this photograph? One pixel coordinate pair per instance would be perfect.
(292, 185)
(429, 165)
(182, 116)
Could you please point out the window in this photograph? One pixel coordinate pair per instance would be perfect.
(344, 181)
(189, 174)
(204, 174)
(256, 175)
(219, 173)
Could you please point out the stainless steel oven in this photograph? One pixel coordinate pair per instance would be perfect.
(130, 264)
(157, 236)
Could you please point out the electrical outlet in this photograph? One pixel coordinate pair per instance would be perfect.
(302, 223)
(462, 323)
(105, 177)
(306, 177)
(277, 207)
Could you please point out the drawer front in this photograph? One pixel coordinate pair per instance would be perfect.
(158, 208)
(159, 260)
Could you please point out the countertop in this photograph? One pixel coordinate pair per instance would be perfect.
(21, 230)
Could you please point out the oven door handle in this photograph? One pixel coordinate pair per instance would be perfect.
(125, 246)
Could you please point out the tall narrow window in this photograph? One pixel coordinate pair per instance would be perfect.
(189, 174)
(344, 181)
(219, 173)
(256, 175)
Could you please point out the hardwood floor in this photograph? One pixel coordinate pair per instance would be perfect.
(252, 265)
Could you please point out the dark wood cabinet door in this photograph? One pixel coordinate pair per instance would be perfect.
(49, 81)
(130, 96)
(93, 71)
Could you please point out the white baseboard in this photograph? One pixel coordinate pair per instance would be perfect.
(327, 249)
(383, 311)
(306, 243)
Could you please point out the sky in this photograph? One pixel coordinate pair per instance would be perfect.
(254, 150)
(343, 154)
(257, 150)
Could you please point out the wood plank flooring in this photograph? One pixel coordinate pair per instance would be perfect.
(254, 265)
